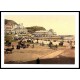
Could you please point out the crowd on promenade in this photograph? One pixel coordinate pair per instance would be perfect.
(26, 43)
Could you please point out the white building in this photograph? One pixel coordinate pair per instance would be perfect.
(20, 31)
(46, 35)
(9, 28)
(15, 29)
(69, 38)
(43, 33)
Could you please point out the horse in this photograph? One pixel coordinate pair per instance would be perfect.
(52, 46)
(7, 50)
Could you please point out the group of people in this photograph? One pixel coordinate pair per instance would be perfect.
(22, 44)
(52, 46)
(30, 42)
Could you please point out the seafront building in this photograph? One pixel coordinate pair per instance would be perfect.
(46, 35)
(15, 29)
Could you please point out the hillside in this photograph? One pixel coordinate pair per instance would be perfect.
(10, 22)
(32, 29)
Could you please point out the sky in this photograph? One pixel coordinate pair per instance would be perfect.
(61, 24)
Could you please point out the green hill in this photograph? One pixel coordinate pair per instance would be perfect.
(32, 29)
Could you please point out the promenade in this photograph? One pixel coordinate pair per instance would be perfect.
(31, 54)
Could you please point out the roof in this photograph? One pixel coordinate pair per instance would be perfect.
(41, 31)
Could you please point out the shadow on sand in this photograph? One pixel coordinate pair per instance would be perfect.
(57, 60)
